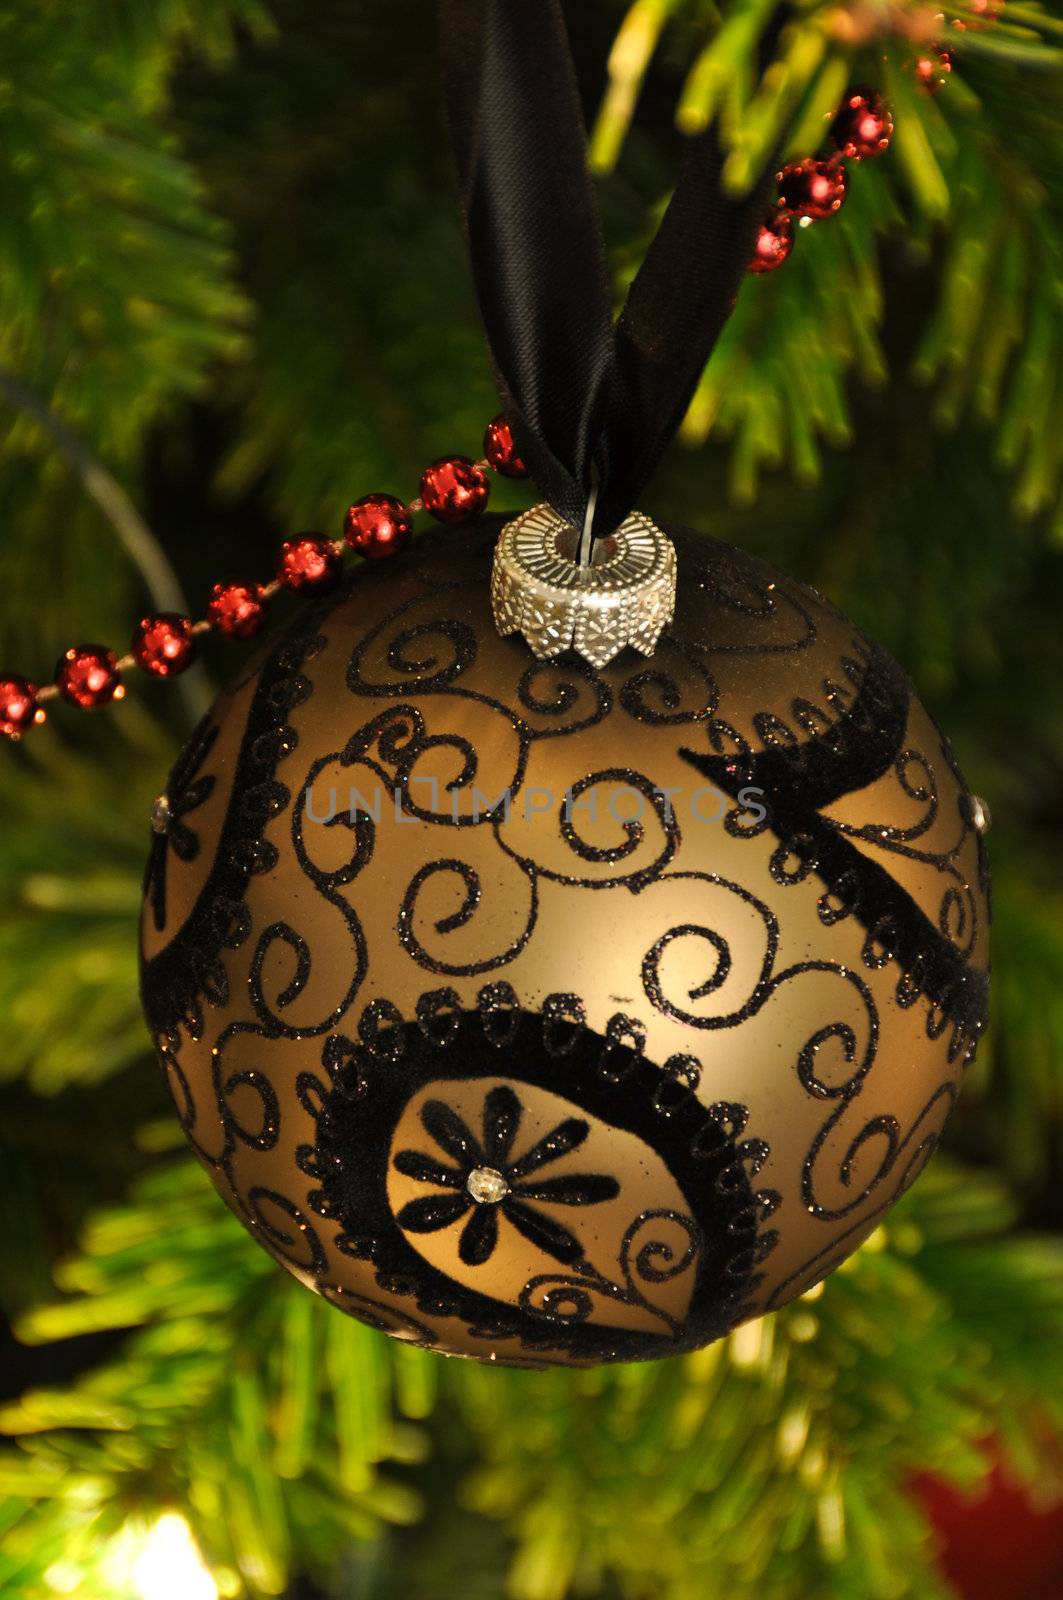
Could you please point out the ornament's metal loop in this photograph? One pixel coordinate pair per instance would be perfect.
(586, 544)
(625, 595)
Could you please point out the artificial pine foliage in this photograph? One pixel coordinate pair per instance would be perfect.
(231, 267)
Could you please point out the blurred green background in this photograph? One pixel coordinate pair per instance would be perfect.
(231, 268)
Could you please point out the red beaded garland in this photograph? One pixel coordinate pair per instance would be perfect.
(454, 489)
(378, 526)
(863, 126)
(774, 242)
(87, 675)
(164, 644)
(237, 609)
(813, 189)
(933, 68)
(501, 451)
(18, 706)
(309, 564)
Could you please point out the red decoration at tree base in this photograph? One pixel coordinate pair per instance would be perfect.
(995, 1544)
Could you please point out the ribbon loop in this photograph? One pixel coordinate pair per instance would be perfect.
(589, 403)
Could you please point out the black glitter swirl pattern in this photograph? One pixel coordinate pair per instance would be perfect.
(238, 983)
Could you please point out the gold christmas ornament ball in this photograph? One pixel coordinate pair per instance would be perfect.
(543, 1013)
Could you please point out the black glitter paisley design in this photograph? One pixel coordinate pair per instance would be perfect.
(175, 982)
(720, 1237)
(186, 791)
(488, 1179)
(340, 961)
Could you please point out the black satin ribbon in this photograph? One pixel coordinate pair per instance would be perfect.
(589, 404)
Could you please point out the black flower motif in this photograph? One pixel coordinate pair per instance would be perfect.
(185, 792)
(486, 1179)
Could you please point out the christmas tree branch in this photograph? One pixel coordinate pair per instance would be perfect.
(791, 1429)
(265, 1414)
(134, 535)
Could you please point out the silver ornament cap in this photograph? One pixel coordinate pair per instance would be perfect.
(625, 594)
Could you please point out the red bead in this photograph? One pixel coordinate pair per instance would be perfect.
(813, 189)
(863, 126)
(774, 242)
(501, 451)
(164, 644)
(378, 526)
(932, 69)
(454, 489)
(87, 675)
(309, 564)
(237, 609)
(18, 706)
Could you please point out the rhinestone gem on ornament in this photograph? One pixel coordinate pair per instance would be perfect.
(979, 814)
(624, 596)
(161, 814)
(486, 1186)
